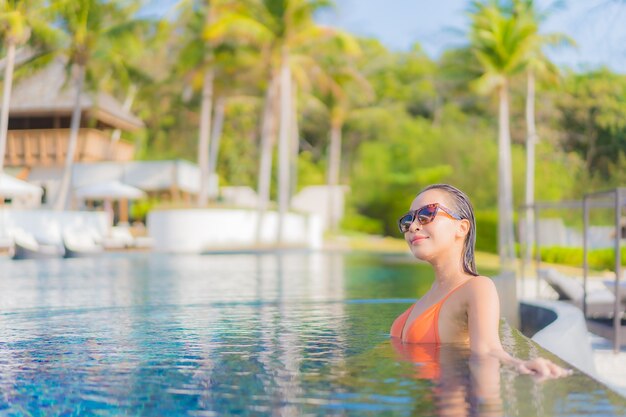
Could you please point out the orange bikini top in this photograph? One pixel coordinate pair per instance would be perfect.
(425, 328)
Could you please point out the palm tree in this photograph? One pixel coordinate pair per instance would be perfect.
(537, 65)
(236, 81)
(342, 86)
(197, 59)
(285, 30)
(18, 19)
(200, 61)
(289, 26)
(124, 73)
(90, 26)
(502, 43)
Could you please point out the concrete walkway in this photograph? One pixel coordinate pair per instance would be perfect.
(610, 367)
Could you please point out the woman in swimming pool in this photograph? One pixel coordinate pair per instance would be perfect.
(461, 305)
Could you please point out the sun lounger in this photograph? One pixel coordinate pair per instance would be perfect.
(600, 301)
(81, 244)
(27, 247)
(610, 285)
(119, 238)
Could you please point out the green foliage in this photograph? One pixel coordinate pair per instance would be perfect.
(593, 108)
(422, 122)
(406, 78)
(425, 124)
(237, 161)
(26, 21)
(565, 171)
(486, 231)
(309, 172)
(390, 165)
(139, 209)
(456, 70)
(354, 221)
(599, 259)
(501, 42)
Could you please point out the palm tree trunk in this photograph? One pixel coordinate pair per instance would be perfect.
(295, 145)
(531, 141)
(205, 130)
(283, 144)
(334, 162)
(216, 137)
(265, 164)
(117, 133)
(505, 183)
(6, 99)
(64, 189)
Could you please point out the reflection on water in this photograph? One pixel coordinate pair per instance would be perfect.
(288, 335)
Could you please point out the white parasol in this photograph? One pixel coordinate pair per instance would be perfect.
(110, 190)
(11, 187)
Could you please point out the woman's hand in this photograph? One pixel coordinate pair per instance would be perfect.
(483, 324)
(542, 368)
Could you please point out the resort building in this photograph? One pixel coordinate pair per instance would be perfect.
(39, 128)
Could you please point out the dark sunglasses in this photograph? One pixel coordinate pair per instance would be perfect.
(424, 215)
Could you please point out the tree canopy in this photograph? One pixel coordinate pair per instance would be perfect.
(406, 119)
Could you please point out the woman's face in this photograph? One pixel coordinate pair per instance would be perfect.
(429, 240)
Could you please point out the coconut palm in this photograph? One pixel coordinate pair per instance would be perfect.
(196, 59)
(285, 30)
(236, 82)
(124, 73)
(204, 61)
(502, 43)
(537, 65)
(289, 26)
(90, 27)
(18, 20)
(341, 87)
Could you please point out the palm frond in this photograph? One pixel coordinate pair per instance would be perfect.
(487, 82)
(239, 27)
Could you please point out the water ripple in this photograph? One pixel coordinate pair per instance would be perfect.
(292, 335)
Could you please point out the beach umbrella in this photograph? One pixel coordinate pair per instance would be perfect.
(110, 190)
(11, 187)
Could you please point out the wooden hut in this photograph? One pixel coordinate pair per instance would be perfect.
(39, 122)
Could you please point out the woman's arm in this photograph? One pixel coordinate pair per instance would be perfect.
(483, 321)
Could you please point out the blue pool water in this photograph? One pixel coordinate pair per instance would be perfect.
(265, 335)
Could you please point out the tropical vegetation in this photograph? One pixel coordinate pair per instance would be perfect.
(237, 84)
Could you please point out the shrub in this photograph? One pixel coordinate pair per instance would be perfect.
(600, 259)
(486, 231)
(359, 223)
(139, 209)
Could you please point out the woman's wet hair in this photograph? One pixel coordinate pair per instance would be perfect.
(462, 206)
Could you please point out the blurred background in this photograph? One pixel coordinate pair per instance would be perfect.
(251, 102)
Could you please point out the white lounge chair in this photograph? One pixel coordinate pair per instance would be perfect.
(600, 301)
(80, 244)
(119, 238)
(26, 246)
(610, 285)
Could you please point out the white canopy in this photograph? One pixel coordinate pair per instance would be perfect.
(110, 190)
(11, 187)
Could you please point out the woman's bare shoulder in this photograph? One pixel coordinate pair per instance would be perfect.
(481, 285)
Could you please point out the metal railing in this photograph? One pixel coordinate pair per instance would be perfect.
(618, 195)
(616, 199)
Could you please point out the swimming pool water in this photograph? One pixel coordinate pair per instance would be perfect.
(264, 335)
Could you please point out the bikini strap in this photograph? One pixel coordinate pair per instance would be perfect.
(436, 306)
(453, 290)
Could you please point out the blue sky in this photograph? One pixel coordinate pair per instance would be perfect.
(597, 26)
